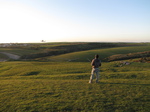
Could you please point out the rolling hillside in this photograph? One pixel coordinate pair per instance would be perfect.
(71, 51)
(87, 55)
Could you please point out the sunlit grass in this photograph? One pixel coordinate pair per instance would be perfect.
(63, 86)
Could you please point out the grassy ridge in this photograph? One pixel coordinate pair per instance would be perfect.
(89, 54)
(32, 51)
(63, 86)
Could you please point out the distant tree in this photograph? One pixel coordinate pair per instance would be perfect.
(43, 41)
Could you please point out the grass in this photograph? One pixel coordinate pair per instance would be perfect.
(19, 51)
(63, 86)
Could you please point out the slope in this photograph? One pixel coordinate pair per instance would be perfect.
(87, 55)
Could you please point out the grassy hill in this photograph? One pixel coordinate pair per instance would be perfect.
(87, 55)
(63, 86)
(40, 50)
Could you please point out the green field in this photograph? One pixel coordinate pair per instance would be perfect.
(59, 83)
(63, 86)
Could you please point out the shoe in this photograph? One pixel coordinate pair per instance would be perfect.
(90, 82)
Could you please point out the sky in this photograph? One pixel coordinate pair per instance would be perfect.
(24, 21)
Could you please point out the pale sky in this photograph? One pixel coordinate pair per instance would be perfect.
(74, 21)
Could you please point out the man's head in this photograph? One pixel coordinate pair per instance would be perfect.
(96, 56)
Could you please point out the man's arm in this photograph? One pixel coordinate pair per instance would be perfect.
(92, 63)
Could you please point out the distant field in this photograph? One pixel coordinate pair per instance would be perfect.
(19, 51)
(40, 50)
(63, 86)
(89, 54)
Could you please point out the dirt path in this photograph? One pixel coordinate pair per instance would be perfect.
(11, 56)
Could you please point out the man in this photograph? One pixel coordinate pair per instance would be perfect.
(96, 63)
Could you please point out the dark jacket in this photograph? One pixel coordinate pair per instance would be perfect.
(96, 63)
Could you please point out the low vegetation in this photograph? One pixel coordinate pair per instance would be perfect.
(144, 55)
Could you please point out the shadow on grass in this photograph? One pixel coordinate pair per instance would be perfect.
(123, 83)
